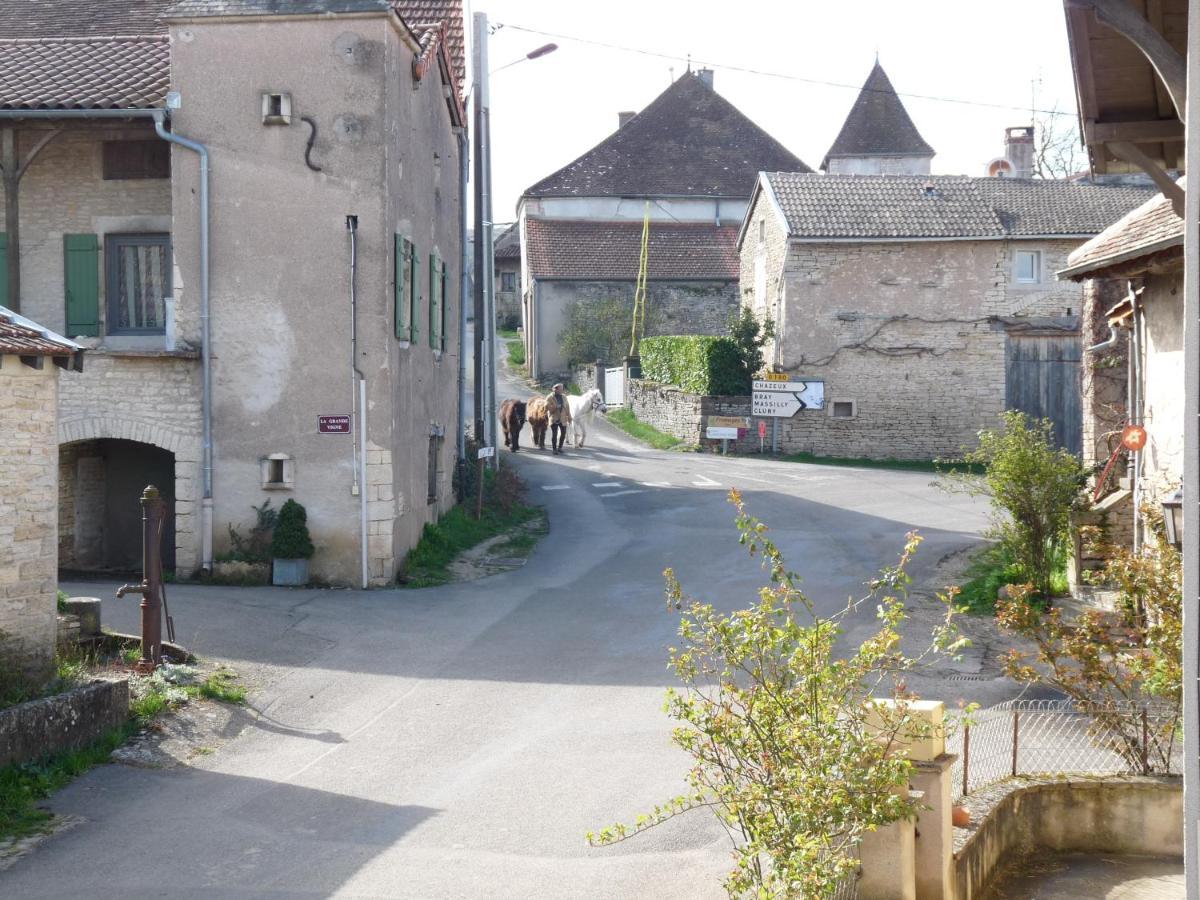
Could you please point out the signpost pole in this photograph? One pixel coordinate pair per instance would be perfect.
(479, 502)
(724, 446)
(774, 435)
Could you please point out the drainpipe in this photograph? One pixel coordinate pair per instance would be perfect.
(360, 424)
(206, 502)
(464, 297)
(1135, 410)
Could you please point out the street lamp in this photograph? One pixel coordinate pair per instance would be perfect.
(484, 298)
(1172, 508)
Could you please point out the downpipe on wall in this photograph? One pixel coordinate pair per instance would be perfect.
(360, 416)
(206, 501)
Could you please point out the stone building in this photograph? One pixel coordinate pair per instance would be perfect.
(688, 161)
(260, 251)
(878, 137)
(926, 304)
(507, 265)
(29, 491)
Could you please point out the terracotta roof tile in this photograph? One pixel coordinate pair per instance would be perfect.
(507, 244)
(429, 12)
(878, 124)
(689, 142)
(940, 206)
(187, 9)
(611, 251)
(1146, 231)
(24, 337)
(73, 18)
(84, 73)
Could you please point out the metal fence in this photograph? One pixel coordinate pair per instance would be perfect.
(1060, 736)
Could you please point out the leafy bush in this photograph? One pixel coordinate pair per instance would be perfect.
(599, 329)
(700, 364)
(291, 539)
(1033, 486)
(750, 334)
(257, 547)
(788, 744)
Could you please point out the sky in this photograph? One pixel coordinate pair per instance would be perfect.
(548, 111)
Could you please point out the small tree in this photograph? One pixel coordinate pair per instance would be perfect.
(1033, 486)
(1126, 675)
(750, 334)
(598, 329)
(291, 539)
(790, 749)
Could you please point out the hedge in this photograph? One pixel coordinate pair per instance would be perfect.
(710, 366)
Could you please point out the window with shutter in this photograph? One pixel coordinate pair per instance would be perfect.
(435, 303)
(442, 314)
(81, 280)
(137, 270)
(403, 288)
(414, 289)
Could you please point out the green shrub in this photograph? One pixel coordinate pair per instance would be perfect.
(699, 364)
(750, 334)
(291, 539)
(599, 329)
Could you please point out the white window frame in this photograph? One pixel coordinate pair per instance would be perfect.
(1037, 267)
(285, 465)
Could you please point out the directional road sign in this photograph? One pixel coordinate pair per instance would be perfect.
(783, 399)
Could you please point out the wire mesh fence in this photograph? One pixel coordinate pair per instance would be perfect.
(847, 888)
(1060, 736)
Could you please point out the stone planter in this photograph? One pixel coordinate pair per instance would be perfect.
(64, 721)
(290, 572)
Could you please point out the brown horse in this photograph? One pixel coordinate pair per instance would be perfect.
(512, 420)
(538, 417)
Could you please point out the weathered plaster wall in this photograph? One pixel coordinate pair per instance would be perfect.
(700, 307)
(28, 516)
(1162, 460)
(281, 271)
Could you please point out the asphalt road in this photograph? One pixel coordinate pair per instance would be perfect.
(460, 741)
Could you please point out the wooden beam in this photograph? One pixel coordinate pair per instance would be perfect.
(1154, 15)
(1166, 60)
(1151, 132)
(1133, 154)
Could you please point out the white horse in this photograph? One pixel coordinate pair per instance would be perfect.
(583, 409)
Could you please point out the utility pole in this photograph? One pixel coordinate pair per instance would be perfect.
(485, 304)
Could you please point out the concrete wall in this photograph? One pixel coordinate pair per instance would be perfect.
(28, 517)
(1162, 460)
(700, 307)
(909, 332)
(1123, 816)
(281, 270)
(879, 165)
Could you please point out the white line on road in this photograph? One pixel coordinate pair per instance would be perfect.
(594, 467)
(623, 493)
(608, 484)
(703, 481)
(556, 487)
(655, 483)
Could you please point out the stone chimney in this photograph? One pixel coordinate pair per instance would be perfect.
(1018, 150)
(624, 117)
(706, 75)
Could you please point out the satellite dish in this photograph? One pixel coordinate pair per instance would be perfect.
(1000, 168)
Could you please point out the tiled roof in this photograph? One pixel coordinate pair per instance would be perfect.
(84, 73)
(878, 124)
(1150, 229)
(689, 141)
(188, 9)
(24, 337)
(508, 243)
(940, 206)
(80, 18)
(611, 251)
(429, 12)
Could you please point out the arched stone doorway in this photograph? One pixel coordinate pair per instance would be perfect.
(100, 519)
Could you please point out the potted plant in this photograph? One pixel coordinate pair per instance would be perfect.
(291, 546)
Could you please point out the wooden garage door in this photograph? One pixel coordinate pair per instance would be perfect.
(1042, 379)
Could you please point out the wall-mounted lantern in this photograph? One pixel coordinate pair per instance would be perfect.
(1172, 508)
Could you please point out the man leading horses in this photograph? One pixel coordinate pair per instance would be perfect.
(559, 413)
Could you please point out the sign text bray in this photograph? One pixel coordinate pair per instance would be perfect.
(782, 399)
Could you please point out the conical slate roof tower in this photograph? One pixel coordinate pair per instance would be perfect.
(878, 137)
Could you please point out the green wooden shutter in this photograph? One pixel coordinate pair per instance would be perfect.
(403, 288)
(414, 289)
(3, 269)
(442, 310)
(81, 264)
(435, 274)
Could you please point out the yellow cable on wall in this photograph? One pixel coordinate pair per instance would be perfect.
(639, 293)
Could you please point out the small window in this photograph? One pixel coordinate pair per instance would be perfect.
(137, 270)
(508, 282)
(277, 109)
(762, 230)
(842, 409)
(1028, 266)
(435, 446)
(129, 160)
(278, 472)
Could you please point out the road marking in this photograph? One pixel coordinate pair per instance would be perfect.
(738, 475)
(611, 475)
(603, 455)
(594, 467)
(655, 483)
(623, 493)
(556, 487)
(704, 481)
(609, 484)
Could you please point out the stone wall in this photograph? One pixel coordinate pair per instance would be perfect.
(686, 416)
(1105, 374)
(1134, 816)
(65, 721)
(28, 516)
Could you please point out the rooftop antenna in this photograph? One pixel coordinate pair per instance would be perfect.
(876, 54)
(689, 62)
(671, 73)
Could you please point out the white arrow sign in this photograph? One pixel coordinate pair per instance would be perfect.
(784, 399)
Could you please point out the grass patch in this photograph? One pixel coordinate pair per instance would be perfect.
(991, 570)
(428, 563)
(905, 465)
(516, 354)
(508, 333)
(222, 685)
(61, 601)
(624, 419)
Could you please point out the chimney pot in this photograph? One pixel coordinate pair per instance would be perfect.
(1018, 150)
(624, 117)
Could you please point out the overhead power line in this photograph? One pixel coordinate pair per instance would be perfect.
(786, 76)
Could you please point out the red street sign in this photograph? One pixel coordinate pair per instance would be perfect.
(762, 429)
(333, 424)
